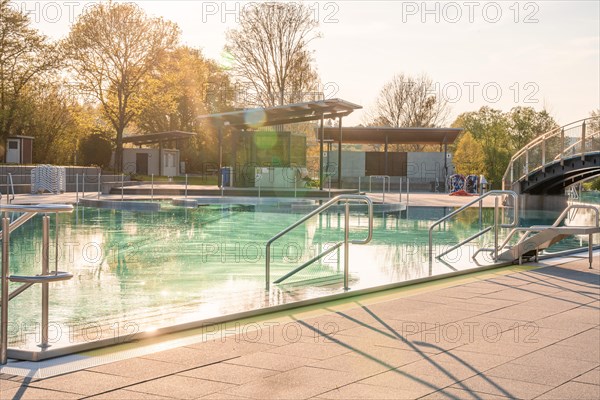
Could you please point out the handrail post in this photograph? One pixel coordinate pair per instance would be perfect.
(99, 184)
(370, 180)
(122, 185)
(186, 185)
(77, 188)
(295, 185)
(83, 186)
(407, 190)
(4, 283)
(543, 154)
(45, 271)
(562, 146)
(359, 185)
(400, 190)
(496, 217)
(12, 190)
(268, 266)
(152, 187)
(346, 245)
(329, 185)
(383, 191)
(583, 141)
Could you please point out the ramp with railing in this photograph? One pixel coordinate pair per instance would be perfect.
(552, 162)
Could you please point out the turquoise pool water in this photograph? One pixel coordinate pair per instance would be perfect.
(138, 271)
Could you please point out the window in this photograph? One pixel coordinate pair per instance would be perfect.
(13, 144)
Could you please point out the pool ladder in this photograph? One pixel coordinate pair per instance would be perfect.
(46, 277)
(495, 227)
(346, 199)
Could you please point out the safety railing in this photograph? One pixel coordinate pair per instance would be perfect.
(577, 138)
(347, 199)
(535, 229)
(44, 278)
(495, 227)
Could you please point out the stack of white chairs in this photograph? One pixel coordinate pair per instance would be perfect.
(48, 178)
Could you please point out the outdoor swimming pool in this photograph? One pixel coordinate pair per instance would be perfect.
(140, 271)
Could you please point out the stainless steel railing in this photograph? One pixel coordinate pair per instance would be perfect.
(347, 198)
(44, 278)
(570, 140)
(495, 226)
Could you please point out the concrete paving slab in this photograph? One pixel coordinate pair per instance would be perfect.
(272, 361)
(551, 374)
(317, 351)
(30, 393)
(361, 391)
(512, 389)
(264, 389)
(573, 390)
(317, 376)
(592, 377)
(180, 387)
(139, 368)
(229, 373)
(84, 383)
(123, 394)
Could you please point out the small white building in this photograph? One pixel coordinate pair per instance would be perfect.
(19, 150)
(156, 160)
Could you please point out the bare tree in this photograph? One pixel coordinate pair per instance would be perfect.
(270, 52)
(113, 48)
(409, 102)
(405, 101)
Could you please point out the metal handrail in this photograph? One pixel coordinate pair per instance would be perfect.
(27, 281)
(479, 200)
(541, 140)
(539, 228)
(9, 199)
(348, 198)
(383, 177)
(587, 137)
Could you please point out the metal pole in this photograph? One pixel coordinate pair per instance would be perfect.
(122, 185)
(346, 244)
(496, 228)
(329, 182)
(77, 188)
(383, 191)
(152, 188)
(400, 191)
(359, 184)
(259, 186)
(268, 267)
(591, 249)
(295, 183)
(45, 271)
(186, 185)
(407, 190)
(5, 271)
(83, 186)
(99, 184)
(583, 141)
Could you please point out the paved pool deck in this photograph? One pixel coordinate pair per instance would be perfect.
(517, 332)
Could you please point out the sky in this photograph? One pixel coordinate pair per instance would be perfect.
(501, 54)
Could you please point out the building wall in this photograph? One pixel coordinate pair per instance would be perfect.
(427, 166)
(353, 163)
(129, 160)
(420, 165)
